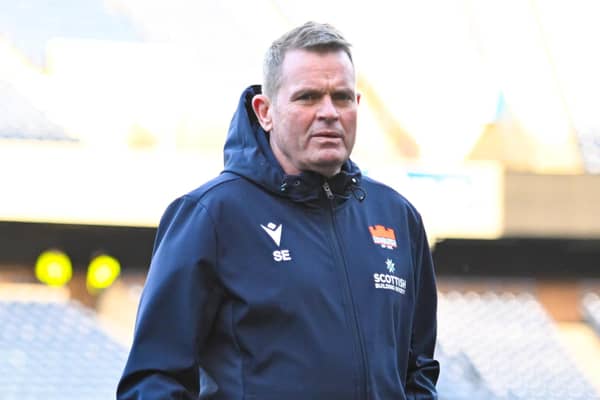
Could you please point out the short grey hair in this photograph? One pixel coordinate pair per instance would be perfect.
(311, 36)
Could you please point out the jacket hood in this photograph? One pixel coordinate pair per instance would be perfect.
(248, 153)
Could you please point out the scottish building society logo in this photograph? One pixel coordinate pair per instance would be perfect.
(390, 281)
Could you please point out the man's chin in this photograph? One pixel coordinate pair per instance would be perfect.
(328, 166)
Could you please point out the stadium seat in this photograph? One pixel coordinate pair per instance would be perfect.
(21, 120)
(512, 346)
(590, 308)
(56, 351)
(459, 379)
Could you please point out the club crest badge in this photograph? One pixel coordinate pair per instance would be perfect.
(384, 237)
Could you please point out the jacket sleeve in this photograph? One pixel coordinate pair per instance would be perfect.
(423, 369)
(178, 304)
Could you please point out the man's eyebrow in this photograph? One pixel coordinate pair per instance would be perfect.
(312, 90)
(306, 90)
(344, 90)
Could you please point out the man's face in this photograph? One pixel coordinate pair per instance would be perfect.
(313, 115)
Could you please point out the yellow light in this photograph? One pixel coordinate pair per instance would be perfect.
(102, 272)
(53, 268)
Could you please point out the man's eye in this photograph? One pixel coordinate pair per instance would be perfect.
(343, 97)
(308, 96)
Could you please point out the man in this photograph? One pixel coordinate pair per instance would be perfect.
(289, 276)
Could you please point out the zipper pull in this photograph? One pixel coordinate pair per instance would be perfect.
(327, 190)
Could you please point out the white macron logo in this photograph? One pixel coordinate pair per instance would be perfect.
(274, 231)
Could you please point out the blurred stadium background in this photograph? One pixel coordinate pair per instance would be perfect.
(484, 113)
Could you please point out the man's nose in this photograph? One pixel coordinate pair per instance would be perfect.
(327, 109)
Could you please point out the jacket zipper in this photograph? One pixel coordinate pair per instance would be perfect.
(328, 192)
(354, 314)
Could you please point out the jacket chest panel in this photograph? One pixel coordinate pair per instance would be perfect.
(284, 255)
(379, 255)
(281, 254)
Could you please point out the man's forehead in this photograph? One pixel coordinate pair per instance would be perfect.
(301, 66)
(314, 51)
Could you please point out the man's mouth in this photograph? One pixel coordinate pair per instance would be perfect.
(327, 134)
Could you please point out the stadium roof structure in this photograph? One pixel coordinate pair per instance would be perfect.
(450, 86)
(29, 24)
(437, 81)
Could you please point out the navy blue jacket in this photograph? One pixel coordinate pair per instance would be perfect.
(267, 286)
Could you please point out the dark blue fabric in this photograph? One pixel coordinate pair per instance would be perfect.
(230, 311)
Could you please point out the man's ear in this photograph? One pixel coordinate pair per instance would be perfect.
(262, 108)
(357, 98)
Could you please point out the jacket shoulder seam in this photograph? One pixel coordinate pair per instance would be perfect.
(199, 193)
